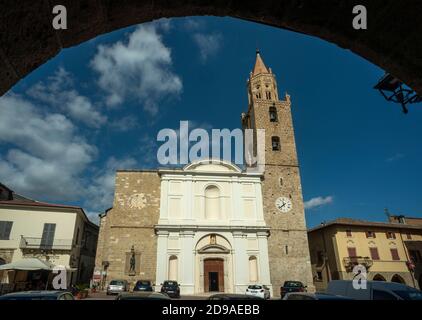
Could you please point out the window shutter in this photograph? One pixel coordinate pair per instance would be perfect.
(374, 253)
(395, 254)
(5, 229)
(352, 252)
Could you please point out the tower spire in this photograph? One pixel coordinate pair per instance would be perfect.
(259, 65)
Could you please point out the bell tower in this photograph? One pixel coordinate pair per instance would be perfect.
(282, 191)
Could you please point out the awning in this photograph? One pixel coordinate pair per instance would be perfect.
(28, 264)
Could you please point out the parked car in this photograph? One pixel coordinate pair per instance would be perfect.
(143, 285)
(258, 290)
(117, 286)
(375, 290)
(143, 296)
(172, 288)
(312, 296)
(38, 295)
(233, 296)
(292, 286)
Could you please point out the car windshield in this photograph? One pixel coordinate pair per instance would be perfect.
(170, 283)
(255, 287)
(409, 294)
(293, 284)
(143, 283)
(116, 283)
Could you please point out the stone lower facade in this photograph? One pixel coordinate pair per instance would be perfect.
(130, 224)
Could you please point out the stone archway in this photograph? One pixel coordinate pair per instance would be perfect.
(378, 277)
(398, 279)
(392, 41)
(214, 261)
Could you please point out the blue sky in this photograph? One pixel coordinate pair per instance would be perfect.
(96, 107)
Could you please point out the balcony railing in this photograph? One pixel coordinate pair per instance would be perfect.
(39, 244)
(351, 262)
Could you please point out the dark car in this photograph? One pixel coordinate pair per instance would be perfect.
(38, 295)
(171, 288)
(143, 296)
(233, 296)
(302, 296)
(292, 286)
(143, 285)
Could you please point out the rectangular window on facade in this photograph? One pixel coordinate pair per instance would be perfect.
(349, 233)
(319, 276)
(275, 141)
(48, 233)
(5, 229)
(391, 235)
(352, 252)
(273, 114)
(370, 234)
(374, 253)
(395, 254)
(409, 236)
(320, 258)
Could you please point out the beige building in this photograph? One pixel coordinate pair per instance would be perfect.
(214, 227)
(58, 234)
(389, 251)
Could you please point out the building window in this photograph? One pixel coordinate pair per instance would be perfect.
(352, 252)
(320, 258)
(47, 239)
(5, 229)
(319, 276)
(273, 114)
(173, 266)
(275, 142)
(374, 253)
(212, 203)
(390, 235)
(268, 95)
(370, 234)
(286, 249)
(253, 269)
(395, 254)
(409, 236)
(281, 182)
(77, 237)
(349, 233)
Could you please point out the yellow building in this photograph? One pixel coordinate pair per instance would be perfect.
(389, 251)
(59, 235)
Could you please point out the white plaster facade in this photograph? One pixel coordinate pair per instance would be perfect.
(211, 210)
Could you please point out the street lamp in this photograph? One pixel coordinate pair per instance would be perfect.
(396, 91)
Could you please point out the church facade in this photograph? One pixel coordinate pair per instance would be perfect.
(211, 226)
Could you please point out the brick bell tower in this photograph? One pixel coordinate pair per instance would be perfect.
(282, 191)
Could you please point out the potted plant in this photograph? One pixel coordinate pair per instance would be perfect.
(81, 291)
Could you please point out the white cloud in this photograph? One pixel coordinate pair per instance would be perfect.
(101, 190)
(209, 44)
(47, 156)
(125, 123)
(138, 68)
(396, 157)
(318, 202)
(59, 93)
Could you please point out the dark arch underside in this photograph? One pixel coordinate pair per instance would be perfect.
(392, 40)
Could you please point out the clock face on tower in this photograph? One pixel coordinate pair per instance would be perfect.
(284, 204)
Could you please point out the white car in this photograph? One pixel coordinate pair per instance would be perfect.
(258, 290)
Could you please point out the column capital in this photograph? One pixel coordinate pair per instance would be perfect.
(162, 233)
